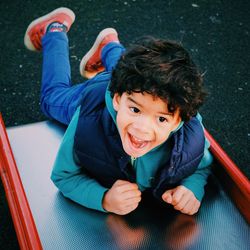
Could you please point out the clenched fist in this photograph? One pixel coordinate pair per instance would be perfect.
(122, 198)
(182, 199)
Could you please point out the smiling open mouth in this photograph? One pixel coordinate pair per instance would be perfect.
(137, 143)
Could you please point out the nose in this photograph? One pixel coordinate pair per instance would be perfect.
(143, 125)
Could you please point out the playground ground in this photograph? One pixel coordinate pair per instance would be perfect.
(216, 34)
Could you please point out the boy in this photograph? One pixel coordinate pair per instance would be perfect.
(133, 126)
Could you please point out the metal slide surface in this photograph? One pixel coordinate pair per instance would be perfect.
(62, 224)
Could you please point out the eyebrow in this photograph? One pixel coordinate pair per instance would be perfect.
(132, 100)
(140, 105)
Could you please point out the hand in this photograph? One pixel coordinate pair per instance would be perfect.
(122, 198)
(182, 199)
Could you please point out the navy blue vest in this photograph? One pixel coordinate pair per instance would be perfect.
(98, 147)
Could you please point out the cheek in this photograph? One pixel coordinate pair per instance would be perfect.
(121, 122)
(164, 137)
(163, 134)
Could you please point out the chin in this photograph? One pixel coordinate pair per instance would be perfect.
(135, 154)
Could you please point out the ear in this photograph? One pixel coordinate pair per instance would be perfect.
(177, 119)
(116, 101)
(176, 126)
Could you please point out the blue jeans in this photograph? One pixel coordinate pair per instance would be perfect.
(59, 98)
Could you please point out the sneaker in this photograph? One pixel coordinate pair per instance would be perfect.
(37, 28)
(91, 63)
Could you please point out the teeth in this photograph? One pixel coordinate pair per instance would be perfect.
(138, 143)
(136, 139)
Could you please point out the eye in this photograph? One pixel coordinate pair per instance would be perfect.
(134, 110)
(162, 119)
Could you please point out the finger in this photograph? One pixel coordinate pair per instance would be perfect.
(132, 201)
(177, 195)
(130, 194)
(121, 182)
(167, 196)
(132, 207)
(191, 207)
(195, 208)
(127, 209)
(182, 203)
(124, 187)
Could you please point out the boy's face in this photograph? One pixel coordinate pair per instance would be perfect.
(143, 122)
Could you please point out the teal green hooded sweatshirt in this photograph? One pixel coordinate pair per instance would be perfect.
(75, 184)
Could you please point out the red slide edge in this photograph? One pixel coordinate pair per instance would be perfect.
(231, 177)
(23, 220)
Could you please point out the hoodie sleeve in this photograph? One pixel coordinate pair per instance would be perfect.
(197, 181)
(70, 178)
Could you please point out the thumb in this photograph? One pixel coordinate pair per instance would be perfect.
(167, 196)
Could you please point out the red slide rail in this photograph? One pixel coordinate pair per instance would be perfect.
(24, 224)
(233, 179)
(235, 182)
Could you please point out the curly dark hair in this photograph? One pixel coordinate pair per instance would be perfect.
(164, 69)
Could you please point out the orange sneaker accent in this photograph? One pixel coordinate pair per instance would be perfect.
(37, 28)
(91, 63)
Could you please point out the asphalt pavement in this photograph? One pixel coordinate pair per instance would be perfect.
(216, 33)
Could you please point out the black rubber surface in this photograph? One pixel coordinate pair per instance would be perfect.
(216, 34)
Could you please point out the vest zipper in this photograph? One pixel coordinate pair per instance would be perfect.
(133, 159)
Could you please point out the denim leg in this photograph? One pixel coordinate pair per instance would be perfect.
(59, 99)
(111, 53)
